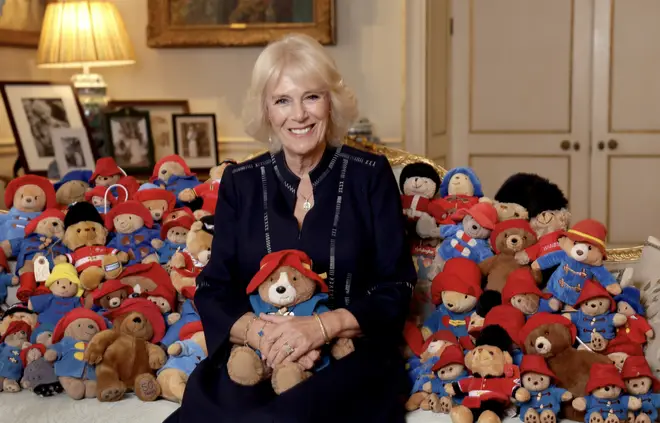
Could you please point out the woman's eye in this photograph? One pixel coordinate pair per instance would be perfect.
(281, 101)
(313, 97)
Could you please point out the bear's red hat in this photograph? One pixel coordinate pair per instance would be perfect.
(638, 367)
(189, 329)
(545, 318)
(25, 351)
(128, 207)
(105, 166)
(602, 375)
(108, 288)
(485, 215)
(165, 289)
(147, 309)
(509, 318)
(521, 281)
(460, 275)
(441, 335)
(510, 224)
(71, 316)
(17, 326)
(170, 158)
(131, 184)
(591, 232)
(169, 216)
(621, 344)
(294, 258)
(453, 354)
(536, 364)
(40, 181)
(183, 222)
(156, 194)
(30, 227)
(99, 191)
(189, 292)
(592, 290)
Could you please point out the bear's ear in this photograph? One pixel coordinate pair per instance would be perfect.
(197, 226)
(468, 359)
(507, 357)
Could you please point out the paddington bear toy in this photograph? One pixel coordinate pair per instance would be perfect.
(545, 401)
(26, 197)
(172, 173)
(637, 328)
(641, 383)
(419, 183)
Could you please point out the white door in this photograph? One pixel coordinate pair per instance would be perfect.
(520, 92)
(626, 120)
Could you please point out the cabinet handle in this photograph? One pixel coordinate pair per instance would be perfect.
(565, 145)
(601, 145)
(612, 144)
(576, 146)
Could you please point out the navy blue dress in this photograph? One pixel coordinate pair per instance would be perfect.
(355, 234)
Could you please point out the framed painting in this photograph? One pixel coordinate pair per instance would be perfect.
(207, 23)
(20, 22)
(34, 108)
(160, 118)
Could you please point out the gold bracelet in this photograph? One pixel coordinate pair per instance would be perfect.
(325, 332)
(247, 329)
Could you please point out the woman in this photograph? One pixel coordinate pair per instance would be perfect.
(339, 205)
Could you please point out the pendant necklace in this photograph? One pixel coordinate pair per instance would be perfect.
(306, 205)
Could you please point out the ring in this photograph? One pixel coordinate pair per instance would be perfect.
(288, 349)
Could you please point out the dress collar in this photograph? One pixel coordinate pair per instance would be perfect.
(291, 180)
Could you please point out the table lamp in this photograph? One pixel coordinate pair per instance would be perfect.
(84, 34)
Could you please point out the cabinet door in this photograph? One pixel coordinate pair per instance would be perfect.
(626, 125)
(520, 92)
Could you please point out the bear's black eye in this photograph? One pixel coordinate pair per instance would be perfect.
(491, 353)
(589, 248)
(93, 229)
(529, 379)
(107, 297)
(442, 372)
(516, 214)
(163, 171)
(541, 378)
(78, 231)
(519, 300)
(547, 333)
(129, 217)
(600, 303)
(466, 296)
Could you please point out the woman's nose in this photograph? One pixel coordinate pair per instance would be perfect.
(299, 112)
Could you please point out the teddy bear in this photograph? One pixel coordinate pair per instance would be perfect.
(184, 356)
(71, 340)
(177, 213)
(284, 285)
(65, 295)
(545, 398)
(17, 312)
(38, 374)
(132, 223)
(552, 336)
(137, 326)
(174, 234)
(172, 173)
(506, 239)
(72, 187)
(419, 183)
(165, 297)
(101, 198)
(111, 294)
(42, 334)
(460, 189)
(512, 321)
(642, 384)
(506, 211)
(26, 196)
(522, 292)
(187, 315)
(546, 206)
(595, 320)
(11, 343)
(603, 401)
(6, 278)
(106, 172)
(620, 349)
(467, 239)
(207, 192)
(157, 200)
(494, 380)
(455, 290)
(85, 236)
(35, 252)
(429, 393)
(188, 263)
(580, 258)
(637, 328)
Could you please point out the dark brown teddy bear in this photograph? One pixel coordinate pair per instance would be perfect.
(552, 336)
(125, 356)
(508, 238)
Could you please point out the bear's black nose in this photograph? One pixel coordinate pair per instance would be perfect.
(579, 252)
(55, 223)
(593, 306)
(539, 345)
(137, 320)
(536, 383)
(514, 240)
(29, 200)
(634, 385)
(280, 289)
(450, 305)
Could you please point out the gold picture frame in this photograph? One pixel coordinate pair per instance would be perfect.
(225, 23)
(20, 24)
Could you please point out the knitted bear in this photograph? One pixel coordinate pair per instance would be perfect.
(545, 398)
(460, 189)
(419, 183)
(641, 383)
(65, 295)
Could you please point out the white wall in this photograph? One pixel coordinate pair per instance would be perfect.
(369, 51)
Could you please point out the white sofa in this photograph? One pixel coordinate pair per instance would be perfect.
(26, 407)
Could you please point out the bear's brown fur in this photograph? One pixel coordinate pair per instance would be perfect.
(71, 192)
(569, 365)
(30, 198)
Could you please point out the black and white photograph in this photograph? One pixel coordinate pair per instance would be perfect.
(196, 139)
(72, 149)
(131, 139)
(34, 109)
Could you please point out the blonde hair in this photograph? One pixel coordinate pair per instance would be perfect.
(299, 56)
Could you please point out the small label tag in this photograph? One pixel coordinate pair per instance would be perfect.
(41, 269)
(112, 267)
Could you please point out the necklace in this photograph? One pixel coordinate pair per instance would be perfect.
(307, 205)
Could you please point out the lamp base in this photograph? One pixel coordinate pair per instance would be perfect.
(91, 90)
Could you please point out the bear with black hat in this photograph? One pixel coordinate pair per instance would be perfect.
(547, 207)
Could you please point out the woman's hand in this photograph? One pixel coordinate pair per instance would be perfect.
(302, 334)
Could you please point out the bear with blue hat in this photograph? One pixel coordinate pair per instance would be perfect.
(72, 187)
(637, 328)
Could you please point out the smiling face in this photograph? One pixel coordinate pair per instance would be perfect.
(487, 360)
(82, 329)
(638, 385)
(595, 306)
(177, 234)
(299, 113)
(127, 223)
(460, 184)
(64, 288)
(419, 185)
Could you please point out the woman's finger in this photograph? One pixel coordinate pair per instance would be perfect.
(267, 341)
(273, 318)
(276, 347)
(284, 352)
(306, 362)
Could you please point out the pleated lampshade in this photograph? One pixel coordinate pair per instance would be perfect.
(83, 33)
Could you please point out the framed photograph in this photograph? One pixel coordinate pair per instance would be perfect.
(20, 22)
(160, 118)
(34, 108)
(205, 23)
(131, 142)
(72, 149)
(196, 140)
